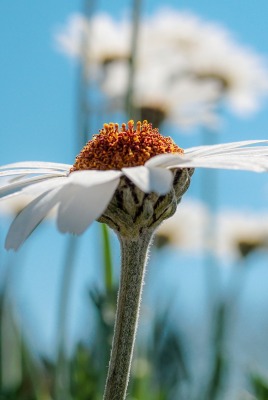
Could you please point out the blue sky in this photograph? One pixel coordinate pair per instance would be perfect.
(38, 85)
(38, 121)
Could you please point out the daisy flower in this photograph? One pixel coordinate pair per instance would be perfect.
(204, 65)
(237, 233)
(240, 233)
(83, 191)
(211, 53)
(97, 41)
(13, 205)
(131, 178)
(185, 230)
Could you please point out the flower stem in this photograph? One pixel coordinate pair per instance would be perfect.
(133, 263)
(108, 267)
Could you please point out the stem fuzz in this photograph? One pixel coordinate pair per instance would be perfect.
(133, 263)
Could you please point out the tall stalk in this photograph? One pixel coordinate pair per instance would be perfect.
(62, 378)
(133, 264)
(136, 11)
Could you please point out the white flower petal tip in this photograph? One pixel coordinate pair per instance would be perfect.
(150, 179)
(84, 200)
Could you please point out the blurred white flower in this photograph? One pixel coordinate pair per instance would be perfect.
(185, 67)
(96, 42)
(239, 233)
(13, 205)
(211, 53)
(185, 230)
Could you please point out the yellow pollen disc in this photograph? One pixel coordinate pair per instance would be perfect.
(115, 148)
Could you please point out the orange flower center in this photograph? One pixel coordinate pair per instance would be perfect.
(128, 147)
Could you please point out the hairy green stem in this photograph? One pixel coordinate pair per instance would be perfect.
(133, 263)
(108, 266)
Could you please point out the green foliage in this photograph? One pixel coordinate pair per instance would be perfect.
(166, 357)
(156, 376)
(259, 386)
(160, 370)
(218, 373)
(84, 376)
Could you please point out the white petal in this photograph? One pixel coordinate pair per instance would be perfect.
(28, 219)
(93, 177)
(84, 178)
(18, 185)
(256, 151)
(172, 159)
(45, 185)
(35, 189)
(13, 204)
(238, 162)
(150, 179)
(166, 160)
(83, 202)
(226, 156)
(29, 171)
(220, 148)
(37, 164)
